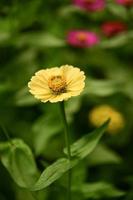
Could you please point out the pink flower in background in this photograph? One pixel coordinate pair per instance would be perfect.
(81, 38)
(90, 5)
(127, 3)
(112, 28)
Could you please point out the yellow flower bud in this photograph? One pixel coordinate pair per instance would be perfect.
(100, 114)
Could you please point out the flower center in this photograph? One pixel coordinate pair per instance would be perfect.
(57, 84)
(82, 37)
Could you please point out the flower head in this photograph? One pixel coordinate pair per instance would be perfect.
(127, 3)
(112, 28)
(100, 114)
(57, 84)
(81, 38)
(90, 5)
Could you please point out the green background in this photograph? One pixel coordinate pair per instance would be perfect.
(33, 36)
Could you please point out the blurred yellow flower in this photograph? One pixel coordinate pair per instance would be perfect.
(100, 114)
(57, 84)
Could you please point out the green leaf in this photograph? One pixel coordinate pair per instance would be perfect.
(86, 144)
(18, 160)
(79, 150)
(53, 172)
(99, 190)
(103, 155)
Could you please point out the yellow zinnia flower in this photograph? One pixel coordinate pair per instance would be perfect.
(100, 114)
(57, 84)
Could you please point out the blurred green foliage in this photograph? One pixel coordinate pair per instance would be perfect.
(33, 36)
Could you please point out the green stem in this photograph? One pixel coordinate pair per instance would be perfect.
(67, 137)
